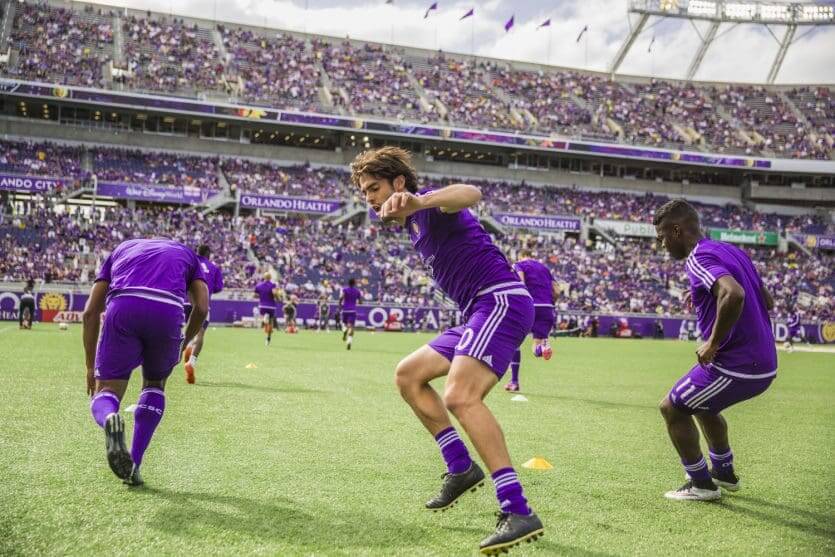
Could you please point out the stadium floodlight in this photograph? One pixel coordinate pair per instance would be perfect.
(817, 13)
(741, 11)
(762, 12)
(702, 8)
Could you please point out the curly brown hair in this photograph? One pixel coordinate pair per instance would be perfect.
(385, 163)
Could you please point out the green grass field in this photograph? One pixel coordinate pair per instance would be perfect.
(312, 452)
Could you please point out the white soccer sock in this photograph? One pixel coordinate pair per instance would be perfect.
(350, 339)
(193, 359)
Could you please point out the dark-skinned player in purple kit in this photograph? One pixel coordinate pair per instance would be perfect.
(141, 287)
(498, 314)
(737, 360)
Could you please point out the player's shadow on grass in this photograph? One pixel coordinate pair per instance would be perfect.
(814, 523)
(602, 403)
(552, 547)
(279, 520)
(262, 388)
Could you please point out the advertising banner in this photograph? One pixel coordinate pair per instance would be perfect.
(30, 184)
(746, 237)
(152, 192)
(289, 204)
(539, 222)
(627, 228)
(814, 241)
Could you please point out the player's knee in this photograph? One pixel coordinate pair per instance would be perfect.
(666, 408)
(456, 400)
(405, 375)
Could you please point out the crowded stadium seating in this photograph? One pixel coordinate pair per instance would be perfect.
(173, 56)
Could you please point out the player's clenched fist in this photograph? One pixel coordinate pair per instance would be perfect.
(400, 205)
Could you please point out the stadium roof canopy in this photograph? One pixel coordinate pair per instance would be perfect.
(791, 15)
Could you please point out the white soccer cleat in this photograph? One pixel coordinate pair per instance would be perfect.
(689, 492)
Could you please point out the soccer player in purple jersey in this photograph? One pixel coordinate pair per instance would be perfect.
(544, 291)
(214, 278)
(498, 313)
(737, 361)
(348, 308)
(267, 293)
(142, 286)
(793, 325)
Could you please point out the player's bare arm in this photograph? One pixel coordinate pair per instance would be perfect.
(198, 293)
(450, 199)
(769, 299)
(92, 322)
(730, 298)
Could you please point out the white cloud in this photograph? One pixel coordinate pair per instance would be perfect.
(743, 53)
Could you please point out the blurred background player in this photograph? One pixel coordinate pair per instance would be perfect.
(348, 308)
(214, 278)
(498, 313)
(26, 311)
(143, 284)
(737, 361)
(290, 303)
(266, 291)
(323, 308)
(794, 332)
(544, 291)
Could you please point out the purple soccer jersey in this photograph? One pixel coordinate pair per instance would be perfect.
(266, 300)
(148, 280)
(538, 281)
(350, 297)
(156, 269)
(793, 325)
(460, 254)
(214, 276)
(748, 352)
(467, 266)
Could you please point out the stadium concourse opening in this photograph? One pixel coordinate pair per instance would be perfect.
(169, 185)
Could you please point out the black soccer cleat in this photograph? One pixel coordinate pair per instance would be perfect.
(134, 479)
(726, 480)
(118, 456)
(511, 529)
(456, 485)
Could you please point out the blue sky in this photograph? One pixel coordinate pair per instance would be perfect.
(743, 53)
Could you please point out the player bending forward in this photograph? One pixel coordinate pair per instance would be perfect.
(498, 313)
(143, 286)
(544, 291)
(737, 361)
(214, 278)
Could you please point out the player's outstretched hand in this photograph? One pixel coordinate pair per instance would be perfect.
(706, 352)
(91, 383)
(687, 300)
(399, 206)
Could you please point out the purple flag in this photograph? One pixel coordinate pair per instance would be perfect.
(546, 23)
(468, 14)
(509, 24)
(434, 6)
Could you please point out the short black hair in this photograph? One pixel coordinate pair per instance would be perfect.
(352, 282)
(679, 210)
(203, 250)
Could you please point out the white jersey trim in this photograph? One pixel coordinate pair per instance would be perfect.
(745, 375)
(146, 297)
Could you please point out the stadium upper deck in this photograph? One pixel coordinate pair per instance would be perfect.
(91, 46)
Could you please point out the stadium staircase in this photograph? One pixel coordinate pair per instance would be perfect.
(222, 198)
(490, 223)
(6, 24)
(607, 235)
(118, 42)
(799, 245)
(348, 212)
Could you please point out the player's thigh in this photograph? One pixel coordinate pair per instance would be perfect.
(420, 367)
(119, 350)
(162, 341)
